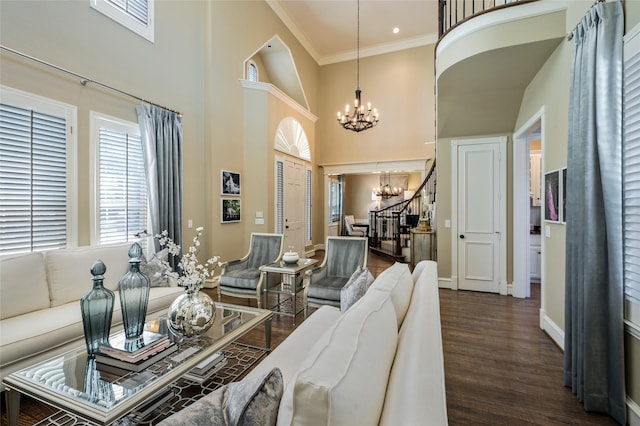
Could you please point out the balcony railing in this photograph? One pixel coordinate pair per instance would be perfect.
(454, 12)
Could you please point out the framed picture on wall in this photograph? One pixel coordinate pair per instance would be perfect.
(551, 192)
(229, 210)
(229, 183)
(563, 196)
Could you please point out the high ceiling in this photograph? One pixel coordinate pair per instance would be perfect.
(328, 28)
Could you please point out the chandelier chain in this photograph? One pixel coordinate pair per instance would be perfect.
(362, 118)
(358, 50)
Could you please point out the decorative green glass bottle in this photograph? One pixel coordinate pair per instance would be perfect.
(133, 288)
(97, 310)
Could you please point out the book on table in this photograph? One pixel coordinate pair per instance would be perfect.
(121, 367)
(208, 363)
(134, 350)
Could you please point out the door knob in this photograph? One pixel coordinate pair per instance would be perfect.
(462, 237)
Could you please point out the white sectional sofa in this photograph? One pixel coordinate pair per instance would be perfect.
(378, 363)
(40, 301)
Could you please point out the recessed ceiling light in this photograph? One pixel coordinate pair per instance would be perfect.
(396, 30)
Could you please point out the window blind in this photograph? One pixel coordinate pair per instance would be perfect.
(33, 180)
(252, 73)
(631, 173)
(308, 205)
(122, 188)
(137, 9)
(279, 197)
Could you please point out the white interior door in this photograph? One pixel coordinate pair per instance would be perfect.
(294, 207)
(480, 204)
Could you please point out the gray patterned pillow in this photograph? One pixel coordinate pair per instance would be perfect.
(355, 288)
(250, 402)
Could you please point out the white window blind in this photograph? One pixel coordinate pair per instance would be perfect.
(308, 205)
(136, 15)
(631, 178)
(122, 189)
(252, 72)
(279, 197)
(33, 180)
(137, 9)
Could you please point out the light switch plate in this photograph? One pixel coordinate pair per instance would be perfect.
(547, 231)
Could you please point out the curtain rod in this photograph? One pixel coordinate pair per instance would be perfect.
(570, 35)
(84, 80)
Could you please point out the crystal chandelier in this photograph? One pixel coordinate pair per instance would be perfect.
(360, 119)
(386, 191)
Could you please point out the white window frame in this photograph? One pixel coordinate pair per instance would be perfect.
(98, 121)
(109, 9)
(26, 100)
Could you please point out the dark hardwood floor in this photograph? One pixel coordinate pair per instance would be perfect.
(500, 368)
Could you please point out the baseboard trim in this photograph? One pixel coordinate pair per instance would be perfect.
(633, 413)
(444, 283)
(552, 329)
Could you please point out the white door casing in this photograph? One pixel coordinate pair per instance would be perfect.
(479, 215)
(521, 207)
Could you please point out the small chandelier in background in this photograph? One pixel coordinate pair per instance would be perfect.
(386, 191)
(361, 118)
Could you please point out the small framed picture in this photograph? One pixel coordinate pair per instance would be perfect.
(229, 183)
(551, 196)
(563, 196)
(230, 210)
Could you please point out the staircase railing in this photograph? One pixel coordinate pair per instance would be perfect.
(454, 12)
(390, 227)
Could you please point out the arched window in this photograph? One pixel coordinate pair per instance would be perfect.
(291, 139)
(252, 71)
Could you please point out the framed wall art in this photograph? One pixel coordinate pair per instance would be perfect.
(229, 183)
(230, 210)
(551, 193)
(563, 196)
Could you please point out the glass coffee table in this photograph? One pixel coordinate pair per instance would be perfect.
(71, 382)
(291, 283)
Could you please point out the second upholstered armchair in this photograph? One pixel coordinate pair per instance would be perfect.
(342, 257)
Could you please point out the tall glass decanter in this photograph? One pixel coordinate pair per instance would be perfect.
(97, 310)
(134, 295)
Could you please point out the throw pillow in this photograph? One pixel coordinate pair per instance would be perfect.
(355, 288)
(344, 381)
(253, 401)
(154, 269)
(396, 280)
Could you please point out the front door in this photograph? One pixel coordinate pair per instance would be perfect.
(294, 205)
(481, 205)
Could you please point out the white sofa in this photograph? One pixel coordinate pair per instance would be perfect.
(378, 363)
(40, 301)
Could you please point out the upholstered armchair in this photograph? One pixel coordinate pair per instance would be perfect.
(342, 257)
(353, 230)
(243, 277)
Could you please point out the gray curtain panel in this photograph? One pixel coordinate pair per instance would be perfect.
(594, 328)
(161, 132)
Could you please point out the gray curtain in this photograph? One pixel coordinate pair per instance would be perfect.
(594, 328)
(161, 132)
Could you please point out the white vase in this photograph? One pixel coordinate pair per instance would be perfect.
(290, 257)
